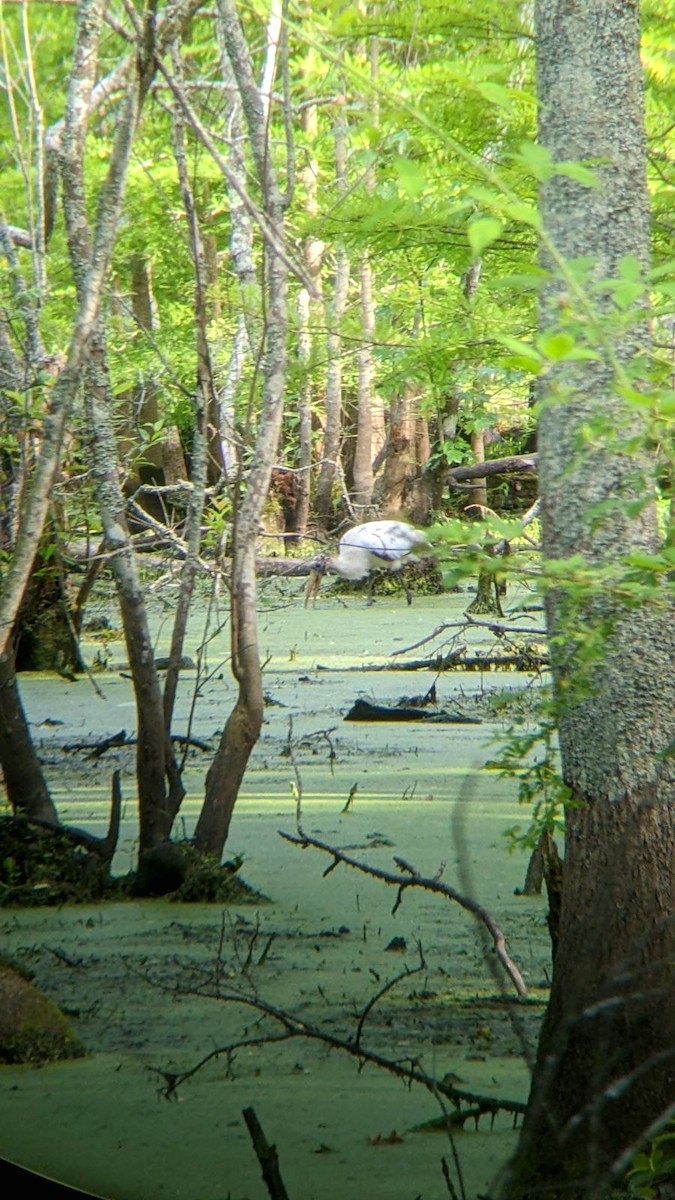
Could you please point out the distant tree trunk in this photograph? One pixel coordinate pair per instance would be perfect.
(335, 310)
(399, 467)
(312, 253)
(363, 477)
(604, 1073)
(370, 432)
(399, 456)
(205, 403)
(157, 457)
(479, 486)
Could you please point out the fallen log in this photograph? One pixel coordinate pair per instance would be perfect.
(364, 710)
(526, 660)
(493, 466)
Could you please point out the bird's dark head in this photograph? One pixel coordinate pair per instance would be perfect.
(319, 563)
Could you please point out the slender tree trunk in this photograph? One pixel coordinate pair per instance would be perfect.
(362, 468)
(248, 332)
(155, 816)
(312, 253)
(370, 433)
(244, 723)
(335, 310)
(605, 1067)
(88, 252)
(204, 403)
(163, 461)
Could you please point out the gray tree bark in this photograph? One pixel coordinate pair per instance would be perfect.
(335, 310)
(604, 1072)
(243, 726)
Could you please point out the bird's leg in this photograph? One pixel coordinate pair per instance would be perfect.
(406, 589)
(369, 592)
(313, 585)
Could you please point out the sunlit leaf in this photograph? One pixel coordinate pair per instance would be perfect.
(537, 159)
(495, 93)
(556, 346)
(578, 173)
(526, 214)
(483, 232)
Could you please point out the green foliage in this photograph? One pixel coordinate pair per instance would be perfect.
(653, 1167)
(530, 758)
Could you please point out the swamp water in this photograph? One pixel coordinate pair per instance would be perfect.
(134, 975)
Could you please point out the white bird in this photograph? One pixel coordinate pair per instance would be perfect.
(375, 545)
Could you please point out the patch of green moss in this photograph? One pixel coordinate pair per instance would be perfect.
(32, 1029)
(180, 872)
(41, 866)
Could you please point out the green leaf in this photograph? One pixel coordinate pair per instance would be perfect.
(537, 159)
(526, 214)
(667, 269)
(667, 404)
(523, 357)
(495, 94)
(483, 232)
(486, 196)
(626, 294)
(556, 346)
(517, 347)
(648, 562)
(579, 173)
(630, 268)
(517, 362)
(411, 178)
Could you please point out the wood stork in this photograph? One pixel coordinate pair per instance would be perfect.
(373, 546)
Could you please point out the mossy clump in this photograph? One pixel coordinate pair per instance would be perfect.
(43, 866)
(32, 1029)
(421, 578)
(180, 872)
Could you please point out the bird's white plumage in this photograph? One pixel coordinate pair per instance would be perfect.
(384, 545)
(375, 545)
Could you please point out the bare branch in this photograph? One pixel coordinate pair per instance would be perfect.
(414, 879)
(405, 1069)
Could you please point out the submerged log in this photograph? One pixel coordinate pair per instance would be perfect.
(363, 710)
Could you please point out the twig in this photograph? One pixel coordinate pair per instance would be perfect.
(304, 840)
(293, 1027)
(495, 627)
(405, 974)
(267, 1156)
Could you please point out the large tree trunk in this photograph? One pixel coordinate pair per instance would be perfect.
(605, 1066)
(26, 786)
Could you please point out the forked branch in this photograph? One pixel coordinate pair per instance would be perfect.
(412, 879)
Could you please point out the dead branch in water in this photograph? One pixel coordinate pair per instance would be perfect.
(406, 1069)
(412, 879)
(266, 1155)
